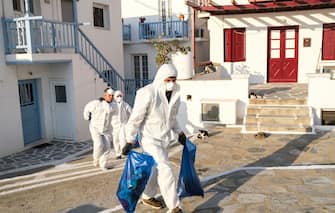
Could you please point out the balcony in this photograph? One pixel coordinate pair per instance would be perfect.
(36, 35)
(167, 29)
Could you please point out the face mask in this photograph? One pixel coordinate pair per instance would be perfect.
(118, 99)
(170, 86)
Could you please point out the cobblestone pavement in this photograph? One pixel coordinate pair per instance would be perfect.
(281, 173)
(240, 173)
(46, 154)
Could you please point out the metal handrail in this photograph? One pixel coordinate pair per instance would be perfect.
(161, 29)
(46, 34)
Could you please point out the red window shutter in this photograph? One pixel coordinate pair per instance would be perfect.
(239, 45)
(228, 45)
(328, 42)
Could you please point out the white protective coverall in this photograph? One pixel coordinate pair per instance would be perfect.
(155, 117)
(121, 113)
(99, 113)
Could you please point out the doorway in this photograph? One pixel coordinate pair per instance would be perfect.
(30, 113)
(283, 54)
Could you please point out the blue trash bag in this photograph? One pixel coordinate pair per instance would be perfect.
(137, 141)
(135, 176)
(189, 183)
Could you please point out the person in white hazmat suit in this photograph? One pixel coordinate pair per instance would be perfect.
(154, 116)
(99, 113)
(121, 113)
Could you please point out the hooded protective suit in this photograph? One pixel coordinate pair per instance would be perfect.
(155, 118)
(121, 113)
(99, 113)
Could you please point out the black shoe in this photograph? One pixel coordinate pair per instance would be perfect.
(177, 210)
(118, 157)
(153, 203)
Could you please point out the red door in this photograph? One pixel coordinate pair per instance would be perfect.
(283, 54)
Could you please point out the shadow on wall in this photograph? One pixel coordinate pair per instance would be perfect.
(254, 76)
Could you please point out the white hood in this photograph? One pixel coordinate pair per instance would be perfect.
(164, 71)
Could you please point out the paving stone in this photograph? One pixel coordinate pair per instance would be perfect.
(251, 198)
(317, 180)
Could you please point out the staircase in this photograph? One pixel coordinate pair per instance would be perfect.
(62, 35)
(287, 116)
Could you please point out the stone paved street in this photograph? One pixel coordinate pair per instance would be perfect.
(240, 173)
(48, 154)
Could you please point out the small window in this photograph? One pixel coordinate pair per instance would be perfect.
(328, 117)
(100, 16)
(60, 93)
(26, 94)
(17, 5)
(210, 112)
(234, 44)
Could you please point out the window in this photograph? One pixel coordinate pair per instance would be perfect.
(210, 112)
(328, 42)
(141, 70)
(328, 117)
(26, 94)
(60, 93)
(100, 16)
(17, 5)
(234, 44)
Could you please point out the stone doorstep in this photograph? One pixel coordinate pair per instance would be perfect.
(271, 129)
(277, 110)
(278, 101)
(277, 120)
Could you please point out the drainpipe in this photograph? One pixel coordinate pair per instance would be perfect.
(193, 39)
(28, 27)
(75, 24)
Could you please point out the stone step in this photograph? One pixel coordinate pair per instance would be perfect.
(274, 129)
(278, 110)
(278, 120)
(266, 101)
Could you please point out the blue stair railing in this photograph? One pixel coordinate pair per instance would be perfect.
(38, 35)
(98, 62)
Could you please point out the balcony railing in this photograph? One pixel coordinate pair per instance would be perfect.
(168, 29)
(126, 30)
(32, 34)
(35, 34)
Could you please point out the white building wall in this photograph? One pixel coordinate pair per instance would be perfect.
(320, 87)
(108, 41)
(137, 8)
(87, 86)
(189, 115)
(310, 26)
(82, 82)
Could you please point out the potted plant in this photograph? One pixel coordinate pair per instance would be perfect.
(181, 17)
(175, 53)
(142, 19)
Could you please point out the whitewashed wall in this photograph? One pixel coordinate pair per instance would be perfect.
(137, 8)
(87, 86)
(320, 89)
(109, 42)
(310, 26)
(82, 82)
(189, 115)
